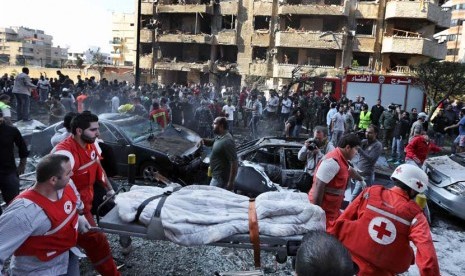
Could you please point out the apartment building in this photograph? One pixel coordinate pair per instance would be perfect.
(25, 46)
(124, 39)
(453, 36)
(227, 42)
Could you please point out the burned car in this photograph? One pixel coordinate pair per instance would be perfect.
(447, 182)
(278, 158)
(173, 151)
(29, 129)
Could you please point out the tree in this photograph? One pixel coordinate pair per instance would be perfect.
(440, 80)
(79, 61)
(98, 61)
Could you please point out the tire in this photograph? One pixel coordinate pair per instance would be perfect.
(147, 169)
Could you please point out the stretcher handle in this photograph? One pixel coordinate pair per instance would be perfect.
(108, 199)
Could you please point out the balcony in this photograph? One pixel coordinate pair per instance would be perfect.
(230, 7)
(116, 55)
(258, 69)
(185, 38)
(313, 9)
(116, 42)
(262, 8)
(367, 10)
(297, 39)
(418, 10)
(146, 36)
(226, 37)
(285, 70)
(145, 62)
(188, 8)
(261, 38)
(182, 66)
(146, 8)
(414, 46)
(364, 44)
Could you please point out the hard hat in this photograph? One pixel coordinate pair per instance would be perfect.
(65, 89)
(412, 176)
(422, 115)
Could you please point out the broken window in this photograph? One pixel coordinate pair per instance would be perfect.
(361, 59)
(227, 54)
(365, 27)
(331, 24)
(291, 22)
(290, 56)
(259, 54)
(262, 22)
(145, 48)
(228, 22)
(294, 2)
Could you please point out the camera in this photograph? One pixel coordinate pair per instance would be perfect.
(393, 106)
(312, 144)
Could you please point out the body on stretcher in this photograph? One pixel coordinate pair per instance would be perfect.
(111, 223)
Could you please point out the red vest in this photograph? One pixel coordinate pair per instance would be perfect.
(381, 234)
(334, 190)
(86, 170)
(63, 234)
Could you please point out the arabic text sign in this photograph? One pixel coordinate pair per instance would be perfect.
(401, 80)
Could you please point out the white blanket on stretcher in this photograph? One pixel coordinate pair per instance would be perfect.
(197, 215)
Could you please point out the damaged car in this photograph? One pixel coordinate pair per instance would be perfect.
(172, 151)
(447, 182)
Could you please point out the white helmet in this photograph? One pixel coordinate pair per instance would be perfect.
(422, 115)
(412, 176)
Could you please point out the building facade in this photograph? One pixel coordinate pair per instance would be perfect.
(124, 39)
(453, 36)
(227, 42)
(29, 47)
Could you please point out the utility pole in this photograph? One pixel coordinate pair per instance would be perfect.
(137, 73)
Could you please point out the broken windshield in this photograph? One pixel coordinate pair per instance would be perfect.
(138, 128)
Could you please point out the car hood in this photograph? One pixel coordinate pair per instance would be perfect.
(29, 127)
(448, 168)
(174, 140)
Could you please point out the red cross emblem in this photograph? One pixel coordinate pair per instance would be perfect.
(398, 170)
(382, 231)
(419, 184)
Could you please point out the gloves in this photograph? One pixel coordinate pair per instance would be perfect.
(83, 224)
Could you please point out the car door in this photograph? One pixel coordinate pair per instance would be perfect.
(292, 167)
(119, 145)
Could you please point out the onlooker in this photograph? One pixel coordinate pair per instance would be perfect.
(68, 101)
(357, 107)
(349, 123)
(44, 88)
(460, 140)
(369, 152)
(417, 126)
(331, 177)
(379, 225)
(139, 109)
(229, 110)
(376, 112)
(115, 103)
(440, 122)
(400, 136)
(320, 254)
(9, 180)
(313, 151)
(22, 91)
(286, 105)
(41, 225)
(272, 106)
(338, 125)
(223, 158)
(387, 122)
(65, 132)
(57, 110)
(203, 116)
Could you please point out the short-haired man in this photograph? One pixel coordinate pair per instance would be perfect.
(332, 175)
(22, 91)
(369, 152)
(41, 225)
(85, 154)
(313, 151)
(460, 140)
(320, 254)
(223, 158)
(378, 226)
(417, 126)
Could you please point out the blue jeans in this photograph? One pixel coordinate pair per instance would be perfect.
(23, 103)
(397, 149)
(254, 126)
(218, 182)
(296, 132)
(358, 185)
(43, 95)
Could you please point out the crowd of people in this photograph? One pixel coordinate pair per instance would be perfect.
(346, 138)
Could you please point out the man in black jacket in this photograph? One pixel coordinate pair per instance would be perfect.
(376, 112)
(439, 123)
(400, 136)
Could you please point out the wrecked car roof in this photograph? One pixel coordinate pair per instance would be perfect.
(449, 166)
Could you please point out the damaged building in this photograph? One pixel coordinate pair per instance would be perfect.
(224, 42)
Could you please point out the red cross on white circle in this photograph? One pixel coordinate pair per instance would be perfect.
(68, 207)
(419, 184)
(382, 230)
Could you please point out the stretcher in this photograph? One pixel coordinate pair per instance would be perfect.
(282, 246)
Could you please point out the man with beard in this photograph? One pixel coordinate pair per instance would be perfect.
(223, 158)
(85, 154)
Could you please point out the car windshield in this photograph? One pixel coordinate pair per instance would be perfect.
(138, 128)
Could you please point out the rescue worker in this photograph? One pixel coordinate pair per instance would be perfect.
(85, 154)
(331, 177)
(40, 227)
(365, 118)
(379, 225)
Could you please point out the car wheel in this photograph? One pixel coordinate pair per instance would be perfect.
(147, 170)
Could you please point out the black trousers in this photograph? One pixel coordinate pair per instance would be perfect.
(9, 186)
